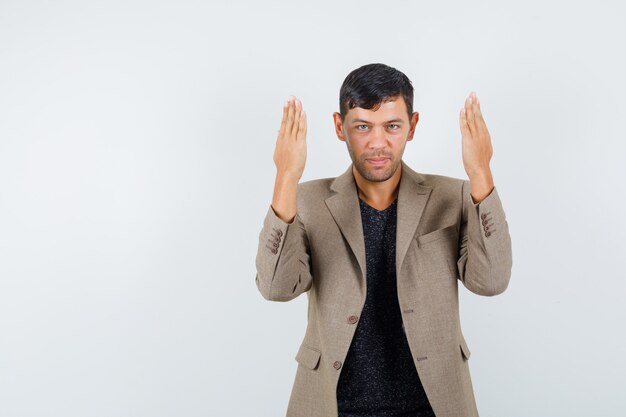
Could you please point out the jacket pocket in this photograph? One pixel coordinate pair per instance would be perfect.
(438, 250)
(308, 357)
(447, 232)
(464, 349)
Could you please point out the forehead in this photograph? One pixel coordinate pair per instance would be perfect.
(395, 108)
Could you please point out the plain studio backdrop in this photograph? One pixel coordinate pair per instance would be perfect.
(136, 143)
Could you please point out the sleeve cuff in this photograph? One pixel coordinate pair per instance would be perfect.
(278, 219)
(491, 193)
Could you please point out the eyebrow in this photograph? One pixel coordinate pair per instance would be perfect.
(368, 122)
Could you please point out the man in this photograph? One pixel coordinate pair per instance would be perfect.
(380, 250)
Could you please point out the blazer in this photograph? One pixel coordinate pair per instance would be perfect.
(442, 238)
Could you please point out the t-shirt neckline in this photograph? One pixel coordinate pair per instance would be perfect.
(379, 211)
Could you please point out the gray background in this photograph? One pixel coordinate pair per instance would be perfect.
(136, 142)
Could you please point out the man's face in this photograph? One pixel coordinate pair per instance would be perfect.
(376, 139)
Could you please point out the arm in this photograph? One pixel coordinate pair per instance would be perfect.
(283, 258)
(283, 254)
(485, 256)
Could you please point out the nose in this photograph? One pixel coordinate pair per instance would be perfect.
(377, 138)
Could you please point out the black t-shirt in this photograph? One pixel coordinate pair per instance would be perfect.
(378, 377)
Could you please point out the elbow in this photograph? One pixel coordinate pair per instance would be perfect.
(499, 287)
(274, 293)
(494, 282)
(263, 288)
(281, 297)
(490, 276)
(500, 279)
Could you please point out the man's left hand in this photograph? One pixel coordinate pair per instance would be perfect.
(476, 148)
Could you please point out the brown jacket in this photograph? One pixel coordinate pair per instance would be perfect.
(442, 237)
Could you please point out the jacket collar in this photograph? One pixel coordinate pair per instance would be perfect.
(345, 209)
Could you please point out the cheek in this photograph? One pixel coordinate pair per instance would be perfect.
(356, 141)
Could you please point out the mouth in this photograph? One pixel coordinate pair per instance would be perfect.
(377, 161)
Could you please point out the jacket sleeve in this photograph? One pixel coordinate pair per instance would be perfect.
(283, 258)
(485, 257)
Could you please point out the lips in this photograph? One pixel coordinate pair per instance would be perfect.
(377, 161)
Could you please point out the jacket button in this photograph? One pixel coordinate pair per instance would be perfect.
(485, 222)
(274, 251)
(487, 234)
(483, 216)
(337, 365)
(352, 319)
(279, 232)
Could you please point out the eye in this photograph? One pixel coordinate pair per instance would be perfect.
(394, 126)
(361, 127)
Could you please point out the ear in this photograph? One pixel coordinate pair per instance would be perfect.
(412, 123)
(338, 126)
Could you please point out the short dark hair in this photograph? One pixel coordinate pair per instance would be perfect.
(370, 85)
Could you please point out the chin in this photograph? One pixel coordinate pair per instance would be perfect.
(374, 175)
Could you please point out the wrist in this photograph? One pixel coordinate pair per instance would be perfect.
(481, 185)
(287, 177)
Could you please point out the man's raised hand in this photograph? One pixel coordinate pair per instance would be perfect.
(476, 148)
(289, 157)
(290, 152)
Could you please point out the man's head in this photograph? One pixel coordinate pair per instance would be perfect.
(376, 119)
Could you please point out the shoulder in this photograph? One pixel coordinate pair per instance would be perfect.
(316, 188)
(312, 195)
(446, 196)
(437, 182)
(444, 188)
(318, 183)
(441, 181)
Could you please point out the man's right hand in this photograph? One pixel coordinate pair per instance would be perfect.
(290, 158)
(290, 152)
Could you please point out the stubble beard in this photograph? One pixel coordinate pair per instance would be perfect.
(372, 173)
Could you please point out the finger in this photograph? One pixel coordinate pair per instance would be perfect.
(469, 114)
(290, 115)
(481, 126)
(465, 131)
(283, 122)
(296, 123)
(476, 107)
(302, 127)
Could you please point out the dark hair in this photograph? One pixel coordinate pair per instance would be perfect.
(371, 85)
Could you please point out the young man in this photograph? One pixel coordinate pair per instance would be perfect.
(380, 250)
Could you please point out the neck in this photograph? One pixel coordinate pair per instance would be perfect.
(378, 194)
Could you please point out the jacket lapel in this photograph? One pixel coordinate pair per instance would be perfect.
(412, 199)
(344, 207)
